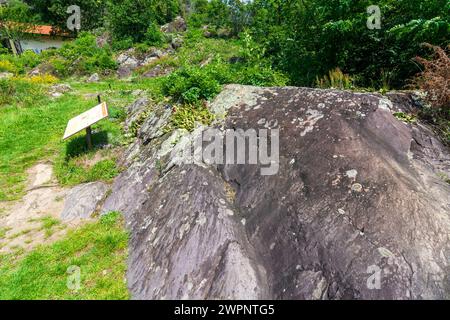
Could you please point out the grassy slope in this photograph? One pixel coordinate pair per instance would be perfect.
(99, 249)
(32, 133)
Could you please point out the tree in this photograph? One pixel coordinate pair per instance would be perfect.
(307, 38)
(132, 18)
(15, 17)
(54, 12)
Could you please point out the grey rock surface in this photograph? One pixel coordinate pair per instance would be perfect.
(130, 60)
(84, 200)
(357, 198)
(135, 112)
(177, 25)
(93, 78)
(58, 90)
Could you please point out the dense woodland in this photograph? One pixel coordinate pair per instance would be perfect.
(303, 38)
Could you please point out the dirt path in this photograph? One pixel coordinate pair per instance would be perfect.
(34, 219)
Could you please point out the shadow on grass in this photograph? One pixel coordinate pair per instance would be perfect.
(78, 145)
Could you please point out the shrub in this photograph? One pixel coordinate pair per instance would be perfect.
(153, 36)
(335, 79)
(191, 84)
(122, 44)
(81, 56)
(435, 79)
(130, 18)
(7, 66)
(257, 75)
(20, 91)
(19, 64)
(188, 115)
(43, 79)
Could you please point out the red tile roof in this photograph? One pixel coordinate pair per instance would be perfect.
(37, 29)
(44, 30)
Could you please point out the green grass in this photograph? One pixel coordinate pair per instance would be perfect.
(98, 249)
(29, 134)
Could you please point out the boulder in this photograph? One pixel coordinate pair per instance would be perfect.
(158, 71)
(57, 90)
(83, 201)
(177, 42)
(356, 210)
(127, 63)
(178, 25)
(124, 72)
(93, 78)
(35, 72)
(135, 112)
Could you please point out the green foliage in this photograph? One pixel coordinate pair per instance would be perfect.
(19, 64)
(130, 19)
(153, 36)
(54, 12)
(20, 92)
(15, 11)
(207, 64)
(407, 118)
(191, 84)
(189, 115)
(71, 173)
(335, 79)
(99, 249)
(81, 56)
(308, 38)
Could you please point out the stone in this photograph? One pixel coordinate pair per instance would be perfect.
(158, 71)
(103, 40)
(124, 72)
(190, 239)
(83, 201)
(35, 72)
(57, 90)
(93, 78)
(177, 42)
(135, 112)
(127, 63)
(177, 25)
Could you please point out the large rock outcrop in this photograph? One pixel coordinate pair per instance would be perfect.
(357, 209)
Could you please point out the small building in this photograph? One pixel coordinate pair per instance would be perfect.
(38, 38)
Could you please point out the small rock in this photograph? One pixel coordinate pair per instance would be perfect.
(35, 72)
(177, 42)
(93, 78)
(352, 174)
(357, 187)
(58, 90)
(103, 40)
(177, 25)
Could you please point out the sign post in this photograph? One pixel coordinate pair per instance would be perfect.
(85, 121)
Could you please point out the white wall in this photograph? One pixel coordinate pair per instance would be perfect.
(39, 44)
